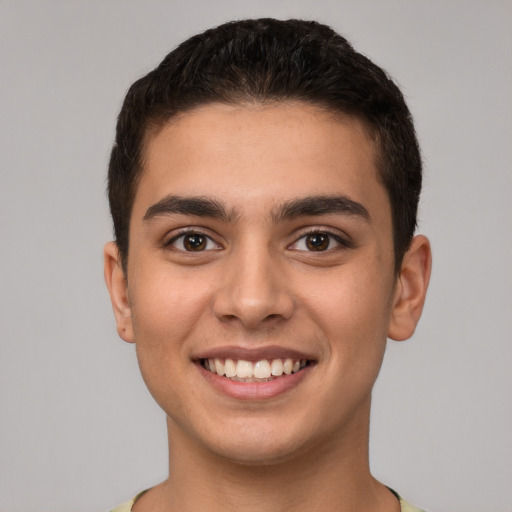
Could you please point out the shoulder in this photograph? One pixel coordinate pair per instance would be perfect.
(126, 507)
(405, 506)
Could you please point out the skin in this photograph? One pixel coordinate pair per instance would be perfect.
(257, 284)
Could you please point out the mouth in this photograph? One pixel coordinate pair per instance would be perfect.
(262, 370)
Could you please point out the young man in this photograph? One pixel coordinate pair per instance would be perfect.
(264, 186)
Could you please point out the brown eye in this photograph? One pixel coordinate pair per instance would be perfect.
(317, 241)
(320, 241)
(194, 242)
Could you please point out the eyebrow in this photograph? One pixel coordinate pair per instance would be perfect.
(289, 210)
(320, 205)
(198, 206)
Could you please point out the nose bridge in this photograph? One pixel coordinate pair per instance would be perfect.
(253, 288)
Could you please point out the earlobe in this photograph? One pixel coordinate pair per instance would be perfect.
(117, 288)
(411, 289)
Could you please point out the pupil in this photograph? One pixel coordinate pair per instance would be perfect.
(317, 242)
(195, 242)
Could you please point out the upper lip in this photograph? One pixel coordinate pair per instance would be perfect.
(252, 354)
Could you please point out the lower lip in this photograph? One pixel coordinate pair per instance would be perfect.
(254, 390)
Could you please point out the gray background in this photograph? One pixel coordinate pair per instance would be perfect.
(78, 430)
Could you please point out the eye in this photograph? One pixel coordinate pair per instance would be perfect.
(193, 242)
(318, 241)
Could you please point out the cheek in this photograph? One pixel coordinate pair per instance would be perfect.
(165, 316)
(356, 302)
(165, 311)
(354, 314)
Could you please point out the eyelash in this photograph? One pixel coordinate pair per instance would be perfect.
(340, 241)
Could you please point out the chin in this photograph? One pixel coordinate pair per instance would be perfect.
(257, 456)
(260, 447)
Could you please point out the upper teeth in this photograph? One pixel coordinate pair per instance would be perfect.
(263, 369)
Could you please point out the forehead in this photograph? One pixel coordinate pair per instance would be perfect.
(253, 154)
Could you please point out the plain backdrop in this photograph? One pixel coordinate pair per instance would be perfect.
(78, 430)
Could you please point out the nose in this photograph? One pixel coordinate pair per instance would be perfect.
(254, 290)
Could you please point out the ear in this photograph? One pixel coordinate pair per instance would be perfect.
(118, 290)
(411, 289)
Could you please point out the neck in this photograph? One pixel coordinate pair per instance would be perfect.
(333, 475)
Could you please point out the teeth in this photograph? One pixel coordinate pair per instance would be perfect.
(219, 368)
(247, 371)
(262, 370)
(244, 369)
(277, 368)
(229, 368)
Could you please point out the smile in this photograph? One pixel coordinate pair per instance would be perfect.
(264, 370)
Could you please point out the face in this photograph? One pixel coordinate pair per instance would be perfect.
(260, 287)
